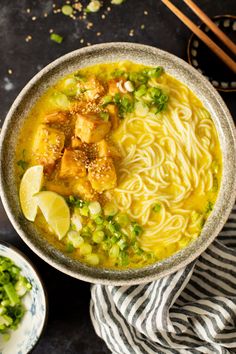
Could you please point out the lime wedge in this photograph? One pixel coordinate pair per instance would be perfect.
(31, 184)
(56, 212)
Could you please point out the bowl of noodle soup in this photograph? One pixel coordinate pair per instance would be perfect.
(174, 178)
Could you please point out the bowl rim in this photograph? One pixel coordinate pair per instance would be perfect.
(45, 294)
(109, 276)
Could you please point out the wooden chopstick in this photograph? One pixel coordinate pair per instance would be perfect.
(220, 34)
(200, 34)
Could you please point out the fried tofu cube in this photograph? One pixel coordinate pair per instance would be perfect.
(102, 174)
(114, 115)
(48, 145)
(107, 150)
(56, 117)
(76, 143)
(82, 187)
(90, 129)
(92, 89)
(72, 164)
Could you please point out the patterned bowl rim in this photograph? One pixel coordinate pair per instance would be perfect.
(44, 291)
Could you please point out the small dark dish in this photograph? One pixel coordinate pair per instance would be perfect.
(206, 62)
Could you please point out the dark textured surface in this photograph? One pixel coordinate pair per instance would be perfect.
(69, 328)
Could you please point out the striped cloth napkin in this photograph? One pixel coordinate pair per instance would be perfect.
(190, 311)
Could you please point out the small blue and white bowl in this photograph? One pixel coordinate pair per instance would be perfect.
(25, 337)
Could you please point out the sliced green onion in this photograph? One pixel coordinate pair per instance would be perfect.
(69, 86)
(76, 222)
(92, 259)
(105, 116)
(106, 100)
(98, 236)
(122, 219)
(85, 249)
(209, 207)
(56, 38)
(94, 208)
(69, 248)
(117, 2)
(67, 10)
(75, 239)
(114, 251)
(156, 208)
(11, 293)
(122, 244)
(84, 211)
(113, 227)
(94, 6)
(22, 286)
(99, 220)
(155, 72)
(140, 91)
(123, 258)
(110, 209)
(61, 100)
(137, 230)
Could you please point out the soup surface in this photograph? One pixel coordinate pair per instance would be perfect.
(135, 156)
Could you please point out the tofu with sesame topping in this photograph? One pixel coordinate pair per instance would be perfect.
(76, 143)
(91, 90)
(47, 146)
(102, 174)
(73, 164)
(114, 115)
(82, 188)
(56, 117)
(90, 128)
(104, 149)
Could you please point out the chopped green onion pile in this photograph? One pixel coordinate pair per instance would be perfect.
(142, 91)
(104, 233)
(13, 287)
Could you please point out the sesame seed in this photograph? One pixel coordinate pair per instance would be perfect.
(131, 33)
(145, 12)
(51, 30)
(28, 11)
(45, 15)
(89, 25)
(9, 71)
(88, 43)
(108, 9)
(34, 18)
(98, 34)
(103, 16)
(142, 26)
(28, 38)
(81, 40)
(78, 6)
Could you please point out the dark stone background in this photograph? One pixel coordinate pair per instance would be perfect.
(69, 330)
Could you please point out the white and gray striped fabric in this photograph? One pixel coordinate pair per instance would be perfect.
(190, 311)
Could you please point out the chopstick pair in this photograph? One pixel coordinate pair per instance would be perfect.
(200, 34)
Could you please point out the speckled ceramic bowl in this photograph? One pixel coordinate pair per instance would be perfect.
(100, 54)
(29, 330)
